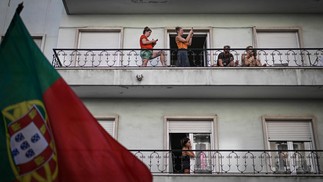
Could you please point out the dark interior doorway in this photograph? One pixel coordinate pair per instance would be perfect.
(196, 57)
(175, 144)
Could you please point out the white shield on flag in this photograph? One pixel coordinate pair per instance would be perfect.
(30, 142)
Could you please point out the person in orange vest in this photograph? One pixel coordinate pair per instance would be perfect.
(182, 44)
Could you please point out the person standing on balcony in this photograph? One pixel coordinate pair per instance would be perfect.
(147, 45)
(225, 58)
(250, 58)
(186, 155)
(182, 44)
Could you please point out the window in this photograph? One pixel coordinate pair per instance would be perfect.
(200, 41)
(110, 124)
(285, 134)
(279, 38)
(201, 132)
(38, 40)
(98, 39)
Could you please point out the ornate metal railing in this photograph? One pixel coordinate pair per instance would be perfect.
(294, 162)
(198, 57)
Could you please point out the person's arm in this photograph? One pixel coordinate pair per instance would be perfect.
(190, 41)
(181, 39)
(258, 62)
(145, 41)
(155, 42)
(243, 59)
(249, 61)
(187, 153)
(188, 38)
(231, 57)
(190, 153)
(220, 60)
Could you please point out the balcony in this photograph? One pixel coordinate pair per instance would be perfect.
(117, 73)
(283, 57)
(233, 162)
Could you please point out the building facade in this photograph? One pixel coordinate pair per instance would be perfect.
(245, 123)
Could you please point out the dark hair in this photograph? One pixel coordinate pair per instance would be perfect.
(249, 48)
(178, 28)
(226, 47)
(184, 141)
(146, 29)
(254, 52)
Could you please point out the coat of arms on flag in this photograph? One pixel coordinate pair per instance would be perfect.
(31, 146)
(29, 142)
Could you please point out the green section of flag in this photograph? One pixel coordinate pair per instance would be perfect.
(25, 74)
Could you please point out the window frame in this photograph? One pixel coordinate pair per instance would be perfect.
(310, 119)
(42, 37)
(113, 118)
(213, 119)
(202, 30)
(298, 30)
(214, 131)
(289, 162)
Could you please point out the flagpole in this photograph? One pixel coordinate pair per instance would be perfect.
(19, 8)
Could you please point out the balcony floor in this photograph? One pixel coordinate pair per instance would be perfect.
(196, 83)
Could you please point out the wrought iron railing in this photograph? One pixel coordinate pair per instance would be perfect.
(305, 162)
(282, 57)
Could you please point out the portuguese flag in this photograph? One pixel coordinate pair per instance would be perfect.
(46, 133)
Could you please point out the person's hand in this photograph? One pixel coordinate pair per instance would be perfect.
(191, 31)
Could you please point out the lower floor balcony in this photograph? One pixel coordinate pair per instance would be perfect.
(234, 162)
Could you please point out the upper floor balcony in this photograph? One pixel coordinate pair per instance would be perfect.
(268, 57)
(117, 73)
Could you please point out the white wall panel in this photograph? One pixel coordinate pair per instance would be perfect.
(99, 39)
(235, 37)
(277, 39)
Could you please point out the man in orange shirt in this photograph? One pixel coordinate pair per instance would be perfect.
(147, 45)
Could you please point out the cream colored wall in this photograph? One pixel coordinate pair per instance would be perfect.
(233, 29)
(239, 121)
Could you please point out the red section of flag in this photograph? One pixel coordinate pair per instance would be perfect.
(86, 152)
